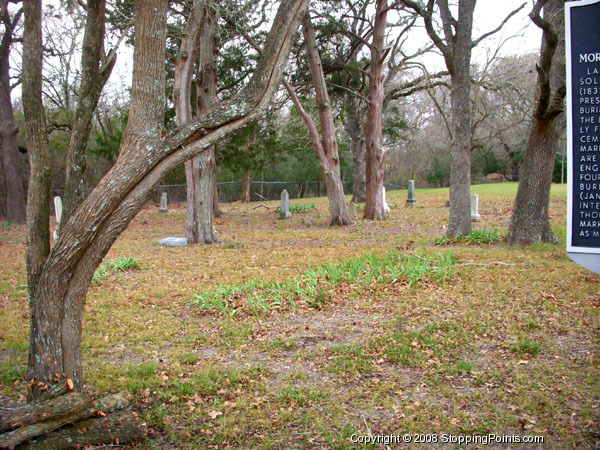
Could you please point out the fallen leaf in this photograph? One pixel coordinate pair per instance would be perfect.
(214, 414)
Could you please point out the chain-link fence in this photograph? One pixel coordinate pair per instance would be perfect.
(231, 191)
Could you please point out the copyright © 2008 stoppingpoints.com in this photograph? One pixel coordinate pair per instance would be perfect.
(445, 438)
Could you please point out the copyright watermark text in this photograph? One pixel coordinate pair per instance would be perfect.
(445, 438)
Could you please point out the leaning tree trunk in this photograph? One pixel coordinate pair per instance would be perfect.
(201, 170)
(13, 179)
(246, 179)
(329, 159)
(530, 222)
(58, 283)
(375, 152)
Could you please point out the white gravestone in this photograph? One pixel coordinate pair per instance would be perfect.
(284, 211)
(164, 202)
(475, 217)
(58, 215)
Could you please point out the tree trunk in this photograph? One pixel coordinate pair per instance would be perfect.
(13, 178)
(93, 78)
(200, 171)
(460, 153)
(199, 219)
(58, 283)
(15, 191)
(246, 179)
(459, 66)
(375, 152)
(530, 221)
(329, 160)
(216, 204)
(357, 145)
(44, 340)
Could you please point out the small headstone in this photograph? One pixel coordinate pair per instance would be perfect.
(386, 207)
(164, 203)
(411, 200)
(475, 217)
(284, 211)
(173, 242)
(58, 215)
(352, 211)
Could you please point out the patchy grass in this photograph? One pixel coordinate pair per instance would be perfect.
(477, 237)
(335, 329)
(122, 264)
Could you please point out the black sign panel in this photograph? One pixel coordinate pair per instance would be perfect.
(583, 76)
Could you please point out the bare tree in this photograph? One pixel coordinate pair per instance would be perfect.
(456, 45)
(13, 179)
(530, 222)
(58, 280)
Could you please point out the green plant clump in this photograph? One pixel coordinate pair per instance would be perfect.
(317, 285)
(479, 237)
(122, 264)
(301, 208)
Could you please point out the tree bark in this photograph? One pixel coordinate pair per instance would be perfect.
(459, 66)
(357, 145)
(40, 419)
(13, 178)
(326, 144)
(44, 322)
(201, 170)
(375, 152)
(119, 428)
(216, 204)
(58, 408)
(57, 292)
(94, 75)
(246, 180)
(530, 221)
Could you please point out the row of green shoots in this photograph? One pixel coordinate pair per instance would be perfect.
(317, 285)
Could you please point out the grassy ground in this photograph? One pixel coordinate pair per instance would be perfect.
(493, 340)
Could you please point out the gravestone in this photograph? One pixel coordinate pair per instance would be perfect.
(284, 211)
(58, 214)
(386, 207)
(475, 217)
(173, 242)
(411, 199)
(352, 211)
(582, 40)
(164, 202)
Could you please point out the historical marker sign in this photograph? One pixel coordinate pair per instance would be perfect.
(582, 26)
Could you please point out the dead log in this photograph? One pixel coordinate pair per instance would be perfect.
(121, 427)
(99, 407)
(52, 409)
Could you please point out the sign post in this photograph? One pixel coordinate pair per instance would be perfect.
(582, 43)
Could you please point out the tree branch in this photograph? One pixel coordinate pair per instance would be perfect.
(476, 42)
